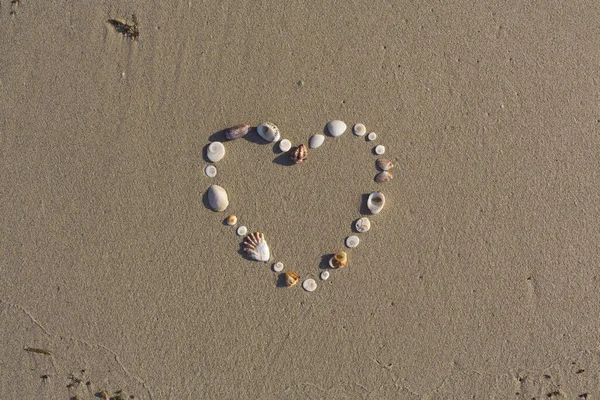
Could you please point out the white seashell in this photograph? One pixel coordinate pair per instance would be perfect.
(231, 220)
(375, 202)
(336, 127)
(352, 241)
(215, 151)
(285, 145)
(269, 132)
(380, 149)
(363, 225)
(256, 247)
(310, 285)
(210, 171)
(278, 266)
(316, 141)
(371, 136)
(217, 198)
(242, 230)
(359, 130)
(324, 275)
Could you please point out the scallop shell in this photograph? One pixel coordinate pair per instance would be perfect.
(217, 198)
(375, 202)
(241, 230)
(291, 278)
(371, 136)
(383, 176)
(359, 129)
(363, 225)
(215, 151)
(339, 260)
(379, 150)
(269, 132)
(310, 285)
(256, 247)
(236, 132)
(285, 145)
(316, 141)
(384, 164)
(231, 220)
(324, 275)
(210, 171)
(299, 154)
(336, 128)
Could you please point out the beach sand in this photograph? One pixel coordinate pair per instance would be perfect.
(477, 280)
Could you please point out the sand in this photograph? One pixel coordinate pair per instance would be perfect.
(477, 280)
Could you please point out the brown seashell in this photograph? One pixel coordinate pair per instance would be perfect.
(339, 260)
(291, 278)
(236, 132)
(383, 176)
(384, 164)
(299, 154)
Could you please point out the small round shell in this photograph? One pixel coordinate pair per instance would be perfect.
(291, 278)
(236, 132)
(338, 260)
(310, 285)
(375, 202)
(210, 171)
(269, 132)
(371, 136)
(336, 128)
(316, 141)
(352, 241)
(384, 164)
(359, 129)
(363, 225)
(324, 275)
(215, 151)
(383, 176)
(231, 220)
(285, 145)
(242, 231)
(380, 149)
(278, 266)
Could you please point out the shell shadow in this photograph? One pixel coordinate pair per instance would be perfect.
(253, 137)
(205, 152)
(242, 253)
(283, 159)
(281, 280)
(326, 132)
(352, 225)
(205, 200)
(364, 210)
(218, 136)
(324, 264)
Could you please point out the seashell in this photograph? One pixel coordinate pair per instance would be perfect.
(380, 149)
(278, 266)
(363, 225)
(316, 141)
(339, 260)
(375, 202)
(231, 220)
(256, 247)
(383, 176)
(336, 128)
(210, 171)
(324, 275)
(269, 132)
(241, 231)
(310, 285)
(291, 278)
(285, 145)
(352, 241)
(384, 164)
(215, 151)
(371, 136)
(299, 154)
(217, 198)
(236, 132)
(359, 129)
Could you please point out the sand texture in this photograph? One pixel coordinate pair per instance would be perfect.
(478, 280)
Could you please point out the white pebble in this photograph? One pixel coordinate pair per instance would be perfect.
(324, 275)
(352, 241)
(309, 285)
(336, 127)
(285, 145)
(278, 266)
(316, 141)
(371, 136)
(380, 149)
(210, 171)
(359, 130)
(215, 151)
(242, 230)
